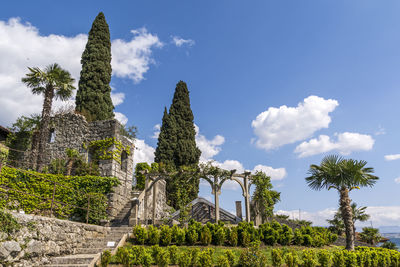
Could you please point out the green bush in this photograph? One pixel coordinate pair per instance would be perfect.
(165, 235)
(231, 257)
(277, 259)
(194, 257)
(184, 258)
(350, 258)
(233, 237)
(8, 224)
(146, 259)
(307, 240)
(338, 259)
(219, 236)
(139, 235)
(309, 258)
(286, 235)
(205, 259)
(122, 256)
(191, 237)
(173, 254)
(324, 258)
(205, 236)
(291, 259)
(245, 239)
(153, 235)
(162, 258)
(105, 258)
(298, 237)
(223, 261)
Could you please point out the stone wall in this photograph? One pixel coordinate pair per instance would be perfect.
(71, 130)
(41, 237)
(146, 200)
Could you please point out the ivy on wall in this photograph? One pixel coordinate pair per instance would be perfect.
(107, 149)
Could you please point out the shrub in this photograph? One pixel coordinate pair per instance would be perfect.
(194, 259)
(309, 258)
(146, 259)
(298, 237)
(389, 245)
(8, 224)
(165, 235)
(180, 237)
(251, 257)
(230, 256)
(222, 261)
(370, 235)
(173, 254)
(286, 235)
(291, 259)
(205, 259)
(162, 258)
(307, 240)
(153, 235)
(219, 236)
(233, 237)
(184, 258)
(139, 235)
(277, 259)
(155, 250)
(245, 239)
(350, 258)
(324, 258)
(105, 258)
(338, 259)
(122, 256)
(191, 237)
(205, 236)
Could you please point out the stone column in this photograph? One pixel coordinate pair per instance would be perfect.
(239, 209)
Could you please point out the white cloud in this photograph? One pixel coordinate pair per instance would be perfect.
(143, 152)
(380, 131)
(156, 129)
(117, 98)
(208, 148)
(397, 180)
(178, 41)
(121, 118)
(275, 174)
(132, 59)
(276, 127)
(345, 144)
(380, 216)
(392, 157)
(22, 45)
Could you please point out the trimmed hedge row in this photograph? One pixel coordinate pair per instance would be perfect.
(253, 256)
(29, 191)
(242, 235)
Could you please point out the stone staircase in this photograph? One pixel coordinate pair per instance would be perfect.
(122, 219)
(86, 254)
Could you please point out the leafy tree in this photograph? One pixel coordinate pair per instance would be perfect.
(390, 245)
(176, 145)
(343, 175)
(370, 235)
(52, 82)
(20, 137)
(264, 197)
(140, 176)
(93, 98)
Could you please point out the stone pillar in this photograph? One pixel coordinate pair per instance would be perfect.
(239, 209)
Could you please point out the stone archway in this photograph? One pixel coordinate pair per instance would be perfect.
(245, 185)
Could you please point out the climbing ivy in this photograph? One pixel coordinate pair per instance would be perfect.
(109, 148)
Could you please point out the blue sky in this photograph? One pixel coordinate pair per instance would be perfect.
(272, 83)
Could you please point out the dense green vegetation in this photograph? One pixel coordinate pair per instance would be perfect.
(93, 98)
(176, 147)
(254, 256)
(32, 192)
(270, 233)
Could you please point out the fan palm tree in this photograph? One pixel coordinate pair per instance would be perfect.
(343, 175)
(52, 82)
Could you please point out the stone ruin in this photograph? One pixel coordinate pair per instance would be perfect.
(71, 130)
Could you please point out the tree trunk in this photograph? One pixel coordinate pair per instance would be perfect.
(70, 164)
(44, 127)
(347, 215)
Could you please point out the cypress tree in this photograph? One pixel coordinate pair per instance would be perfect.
(176, 147)
(93, 98)
(166, 141)
(186, 153)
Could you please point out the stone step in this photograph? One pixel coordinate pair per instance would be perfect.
(67, 265)
(99, 244)
(73, 259)
(91, 250)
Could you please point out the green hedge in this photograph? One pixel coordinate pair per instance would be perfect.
(72, 190)
(254, 256)
(242, 235)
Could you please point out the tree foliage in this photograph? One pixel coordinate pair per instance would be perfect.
(177, 148)
(264, 198)
(93, 98)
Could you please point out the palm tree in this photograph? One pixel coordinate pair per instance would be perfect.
(343, 175)
(52, 81)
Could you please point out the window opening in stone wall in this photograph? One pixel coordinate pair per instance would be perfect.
(124, 161)
(52, 136)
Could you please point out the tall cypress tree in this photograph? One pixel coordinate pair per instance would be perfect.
(177, 147)
(166, 141)
(93, 98)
